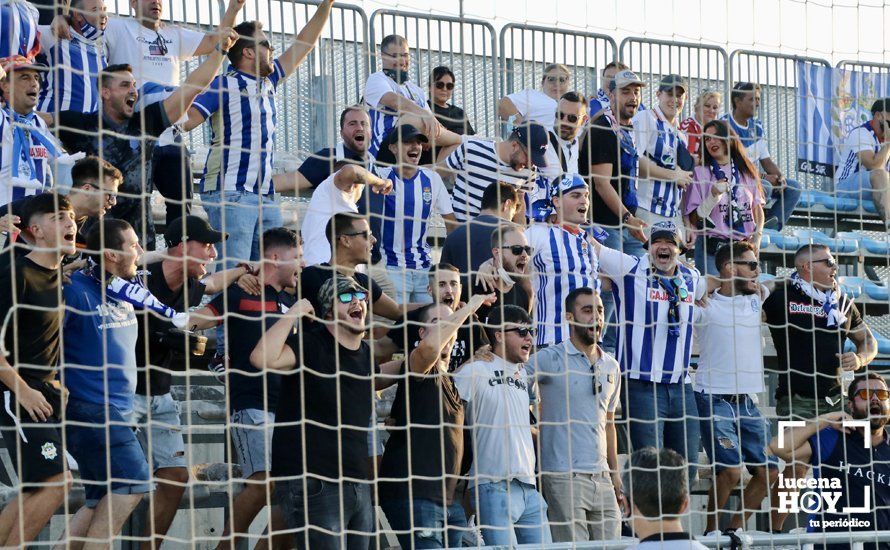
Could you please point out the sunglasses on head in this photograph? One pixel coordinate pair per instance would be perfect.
(866, 394)
(752, 264)
(347, 297)
(522, 331)
(441, 85)
(571, 118)
(517, 249)
(830, 262)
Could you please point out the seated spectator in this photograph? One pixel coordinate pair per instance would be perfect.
(853, 461)
(393, 99)
(599, 103)
(730, 371)
(422, 461)
(453, 118)
(338, 193)
(506, 273)
(725, 201)
(783, 193)
(864, 161)
(707, 108)
(579, 445)
(72, 82)
(400, 219)
(100, 374)
(659, 497)
(27, 148)
(19, 23)
(497, 394)
(355, 133)
(538, 106)
(468, 246)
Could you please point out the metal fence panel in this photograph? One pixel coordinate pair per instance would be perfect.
(705, 67)
(863, 66)
(527, 49)
(777, 75)
(467, 46)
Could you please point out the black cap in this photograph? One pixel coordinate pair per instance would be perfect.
(403, 134)
(194, 229)
(671, 81)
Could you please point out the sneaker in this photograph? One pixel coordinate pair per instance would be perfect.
(217, 368)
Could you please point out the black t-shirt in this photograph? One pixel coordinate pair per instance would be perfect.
(333, 385)
(432, 407)
(320, 165)
(153, 380)
(599, 145)
(313, 277)
(805, 345)
(470, 337)
(453, 119)
(248, 318)
(131, 154)
(32, 331)
(515, 297)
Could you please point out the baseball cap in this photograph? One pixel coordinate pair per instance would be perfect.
(336, 285)
(403, 134)
(665, 230)
(568, 182)
(193, 229)
(535, 140)
(627, 78)
(18, 63)
(671, 81)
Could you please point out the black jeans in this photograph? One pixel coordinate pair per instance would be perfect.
(172, 177)
(321, 502)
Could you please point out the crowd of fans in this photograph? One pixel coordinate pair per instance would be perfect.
(475, 394)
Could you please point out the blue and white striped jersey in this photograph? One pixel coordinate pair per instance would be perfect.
(382, 118)
(563, 260)
(399, 220)
(476, 165)
(599, 104)
(72, 83)
(660, 141)
(243, 118)
(648, 349)
(752, 137)
(25, 159)
(18, 28)
(860, 138)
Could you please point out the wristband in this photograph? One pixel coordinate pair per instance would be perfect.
(220, 50)
(625, 217)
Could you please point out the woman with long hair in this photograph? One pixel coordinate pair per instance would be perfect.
(725, 201)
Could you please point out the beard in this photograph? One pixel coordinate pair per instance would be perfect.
(586, 337)
(742, 288)
(876, 415)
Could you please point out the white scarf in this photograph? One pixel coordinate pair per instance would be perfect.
(829, 301)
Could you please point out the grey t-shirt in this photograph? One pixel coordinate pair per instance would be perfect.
(570, 388)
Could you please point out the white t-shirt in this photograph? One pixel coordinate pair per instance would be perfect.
(535, 105)
(570, 152)
(128, 41)
(498, 400)
(861, 138)
(327, 200)
(382, 118)
(730, 345)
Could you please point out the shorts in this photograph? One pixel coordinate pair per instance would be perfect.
(852, 185)
(251, 432)
(101, 439)
(159, 430)
(35, 448)
(733, 433)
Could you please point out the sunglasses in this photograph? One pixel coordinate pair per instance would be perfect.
(682, 291)
(444, 85)
(866, 394)
(365, 234)
(517, 249)
(522, 331)
(830, 262)
(348, 297)
(560, 79)
(752, 265)
(161, 44)
(571, 118)
(265, 43)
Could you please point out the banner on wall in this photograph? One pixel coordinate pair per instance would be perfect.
(831, 103)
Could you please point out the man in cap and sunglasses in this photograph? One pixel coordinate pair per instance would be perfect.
(655, 301)
(810, 318)
(579, 387)
(730, 372)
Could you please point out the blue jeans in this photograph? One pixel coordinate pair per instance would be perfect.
(410, 285)
(785, 201)
(733, 433)
(105, 447)
(238, 214)
(324, 501)
(663, 415)
(435, 525)
(517, 508)
(855, 186)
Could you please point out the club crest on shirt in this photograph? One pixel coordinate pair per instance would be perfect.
(755, 305)
(427, 195)
(49, 451)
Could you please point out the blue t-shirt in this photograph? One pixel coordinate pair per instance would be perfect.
(99, 345)
(859, 471)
